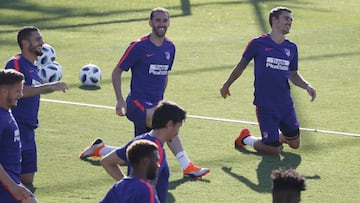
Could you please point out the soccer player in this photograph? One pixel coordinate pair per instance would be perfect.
(149, 59)
(276, 62)
(287, 186)
(30, 42)
(11, 189)
(167, 119)
(143, 156)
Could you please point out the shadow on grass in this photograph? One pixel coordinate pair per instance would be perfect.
(95, 162)
(175, 183)
(90, 87)
(268, 163)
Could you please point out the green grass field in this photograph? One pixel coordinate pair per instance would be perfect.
(210, 36)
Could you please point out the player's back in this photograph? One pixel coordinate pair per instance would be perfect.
(131, 190)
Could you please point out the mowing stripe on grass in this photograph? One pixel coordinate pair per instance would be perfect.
(205, 118)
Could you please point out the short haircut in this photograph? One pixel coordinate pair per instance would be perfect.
(167, 111)
(275, 12)
(158, 9)
(139, 150)
(25, 33)
(10, 77)
(287, 180)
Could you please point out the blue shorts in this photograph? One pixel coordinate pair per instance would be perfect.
(136, 113)
(6, 196)
(28, 149)
(273, 119)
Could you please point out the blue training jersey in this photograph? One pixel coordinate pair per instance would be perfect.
(27, 109)
(149, 66)
(163, 175)
(131, 190)
(273, 64)
(10, 146)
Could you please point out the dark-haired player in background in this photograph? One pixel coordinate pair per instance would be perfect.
(287, 186)
(30, 42)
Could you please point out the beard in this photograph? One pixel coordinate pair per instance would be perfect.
(12, 102)
(151, 175)
(38, 53)
(35, 50)
(158, 33)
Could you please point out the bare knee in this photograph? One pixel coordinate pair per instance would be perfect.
(294, 145)
(292, 138)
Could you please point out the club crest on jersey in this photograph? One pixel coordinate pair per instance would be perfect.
(287, 52)
(265, 135)
(167, 55)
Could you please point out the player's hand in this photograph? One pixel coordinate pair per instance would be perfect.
(225, 92)
(19, 192)
(311, 91)
(58, 86)
(121, 108)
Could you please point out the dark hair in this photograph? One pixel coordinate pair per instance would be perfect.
(25, 34)
(275, 12)
(10, 77)
(167, 111)
(138, 150)
(158, 9)
(287, 180)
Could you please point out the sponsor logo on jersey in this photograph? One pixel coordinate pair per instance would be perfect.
(156, 69)
(35, 82)
(279, 64)
(17, 135)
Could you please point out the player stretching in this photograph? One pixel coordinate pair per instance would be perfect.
(150, 59)
(168, 118)
(276, 62)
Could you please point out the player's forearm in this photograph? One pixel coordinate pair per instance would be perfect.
(297, 79)
(116, 81)
(111, 164)
(236, 72)
(5, 179)
(30, 91)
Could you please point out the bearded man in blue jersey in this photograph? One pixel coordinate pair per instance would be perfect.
(150, 59)
(30, 41)
(143, 156)
(276, 62)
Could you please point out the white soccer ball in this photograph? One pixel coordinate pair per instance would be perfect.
(50, 72)
(90, 75)
(48, 56)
